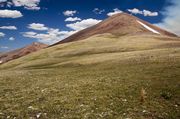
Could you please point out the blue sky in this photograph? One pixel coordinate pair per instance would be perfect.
(25, 21)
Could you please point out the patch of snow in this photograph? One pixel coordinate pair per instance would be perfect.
(147, 27)
(1, 62)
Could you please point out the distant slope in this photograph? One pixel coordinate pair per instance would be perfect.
(5, 57)
(119, 24)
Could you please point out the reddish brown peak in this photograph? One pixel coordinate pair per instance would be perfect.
(118, 24)
(129, 19)
(121, 17)
(35, 46)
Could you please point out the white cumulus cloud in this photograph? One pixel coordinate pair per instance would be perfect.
(98, 11)
(27, 4)
(55, 35)
(37, 26)
(135, 11)
(115, 11)
(50, 37)
(171, 21)
(10, 14)
(9, 27)
(73, 19)
(69, 12)
(80, 25)
(149, 13)
(2, 34)
(29, 34)
(143, 12)
(11, 38)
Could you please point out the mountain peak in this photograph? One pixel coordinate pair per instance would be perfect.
(119, 24)
(121, 14)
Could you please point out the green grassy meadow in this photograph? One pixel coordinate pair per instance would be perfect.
(97, 78)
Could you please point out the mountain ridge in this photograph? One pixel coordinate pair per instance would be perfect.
(11, 55)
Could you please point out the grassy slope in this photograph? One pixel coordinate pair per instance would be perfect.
(100, 77)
